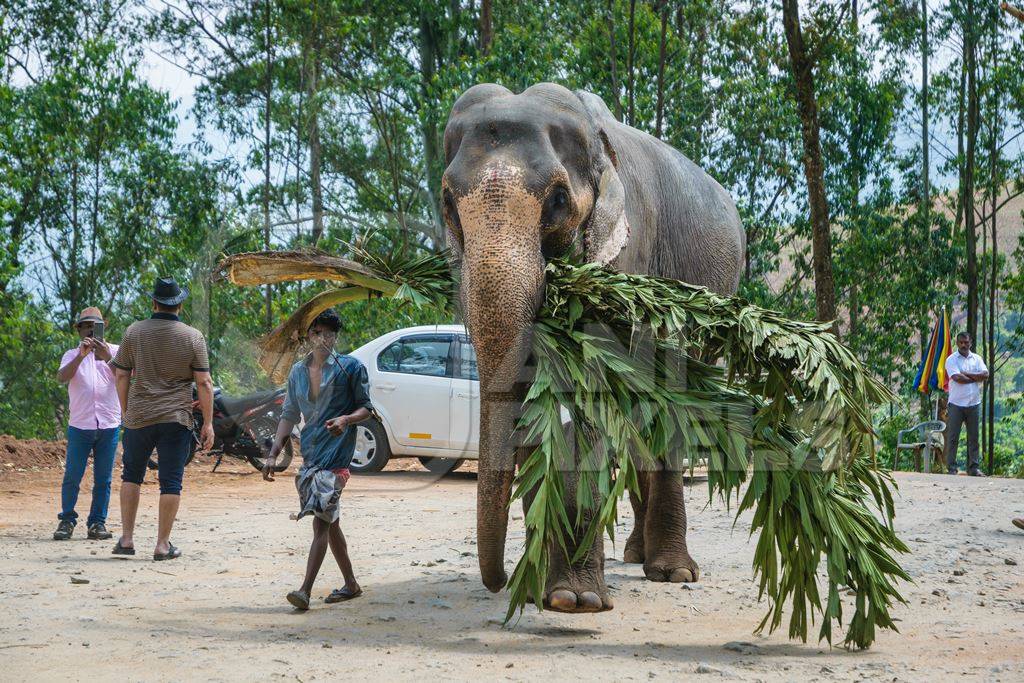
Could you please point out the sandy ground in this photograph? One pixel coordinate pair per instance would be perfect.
(219, 612)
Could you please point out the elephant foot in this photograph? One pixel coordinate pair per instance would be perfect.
(677, 569)
(576, 590)
(634, 552)
(579, 599)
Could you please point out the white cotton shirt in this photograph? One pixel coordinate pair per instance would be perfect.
(964, 395)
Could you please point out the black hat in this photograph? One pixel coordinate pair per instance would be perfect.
(167, 292)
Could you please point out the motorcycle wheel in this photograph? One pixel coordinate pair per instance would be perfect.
(265, 429)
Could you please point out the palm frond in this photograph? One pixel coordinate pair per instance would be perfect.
(790, 410)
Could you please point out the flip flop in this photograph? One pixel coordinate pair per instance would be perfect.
(342, 594)
(299, 600)
(172, 554)
(121, 550)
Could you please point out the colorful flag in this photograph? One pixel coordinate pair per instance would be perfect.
(932, 373)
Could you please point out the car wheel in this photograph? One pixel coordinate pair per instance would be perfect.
(441, 466)
(372, 450)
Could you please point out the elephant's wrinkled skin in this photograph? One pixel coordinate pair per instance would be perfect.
(535, 175)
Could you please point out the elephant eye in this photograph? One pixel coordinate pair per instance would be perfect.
(556, 207)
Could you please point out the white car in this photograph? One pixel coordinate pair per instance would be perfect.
(424, 387)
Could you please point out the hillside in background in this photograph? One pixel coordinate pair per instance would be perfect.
(1009, 228)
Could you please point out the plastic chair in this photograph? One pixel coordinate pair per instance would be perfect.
(921, 437)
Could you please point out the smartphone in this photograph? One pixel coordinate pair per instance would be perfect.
(97, 330)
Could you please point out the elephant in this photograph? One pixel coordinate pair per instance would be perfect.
(541, 174)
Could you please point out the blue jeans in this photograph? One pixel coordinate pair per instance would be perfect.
(102, 443)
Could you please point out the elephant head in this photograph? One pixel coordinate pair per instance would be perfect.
(528, 177)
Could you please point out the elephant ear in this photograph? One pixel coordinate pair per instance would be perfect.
(607, 231)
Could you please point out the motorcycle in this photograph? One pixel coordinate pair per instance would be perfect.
(243, 428)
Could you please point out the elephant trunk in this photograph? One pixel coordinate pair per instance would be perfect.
(500, 321)
(494, 486)
(502, 286)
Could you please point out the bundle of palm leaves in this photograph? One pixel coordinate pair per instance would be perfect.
(786, 410)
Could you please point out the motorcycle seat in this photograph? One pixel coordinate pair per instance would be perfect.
(237, 406)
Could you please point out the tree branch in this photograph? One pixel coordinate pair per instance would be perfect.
(1012, 11)
(1009, 197)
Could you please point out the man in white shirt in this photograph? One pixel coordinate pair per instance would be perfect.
(93, 427)
(966, 372)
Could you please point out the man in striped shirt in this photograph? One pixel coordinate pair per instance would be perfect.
(156, 364)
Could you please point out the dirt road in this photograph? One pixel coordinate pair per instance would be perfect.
(219, 613)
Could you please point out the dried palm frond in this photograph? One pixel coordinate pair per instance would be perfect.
(269, 267)
(423, 279)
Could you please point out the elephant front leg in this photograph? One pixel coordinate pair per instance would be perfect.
(580, 586)
(666, 557)
(576, 586)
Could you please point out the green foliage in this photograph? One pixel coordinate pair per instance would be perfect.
(789, 411)
(32, 402)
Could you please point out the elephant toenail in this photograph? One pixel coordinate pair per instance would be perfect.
(590, 601)
(682, 575)
(562, 599)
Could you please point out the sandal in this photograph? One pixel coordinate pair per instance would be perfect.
(172, 554)
(299, 600)
(121, 550)
(343, 594)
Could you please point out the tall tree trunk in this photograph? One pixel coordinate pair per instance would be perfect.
(74, 290)
(961, 118)
(313, 102)
(701, 41)
(662, 40)
(631, 64)
(613, 72)
(298, 179)
(90, 279)
(824, 286)
(429, 48)
(315, 162)
(855, 189)
(982, 346)
(995, 184)
(926, 201)
(268, 298)
(970, 220)
(486, 27)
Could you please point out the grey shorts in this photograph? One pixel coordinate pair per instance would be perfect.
(319, 492)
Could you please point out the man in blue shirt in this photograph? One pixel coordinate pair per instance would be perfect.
(330, 391)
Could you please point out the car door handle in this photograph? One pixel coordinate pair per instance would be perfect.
(463, 394)
(387, 387)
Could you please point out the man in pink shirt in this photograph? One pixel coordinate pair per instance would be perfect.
(93, 427)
